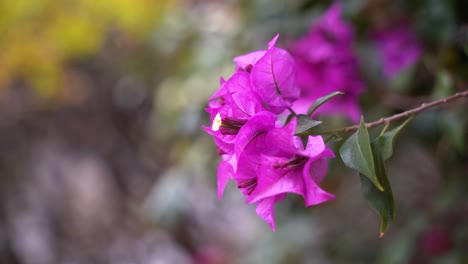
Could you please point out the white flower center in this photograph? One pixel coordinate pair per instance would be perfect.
(216, 122)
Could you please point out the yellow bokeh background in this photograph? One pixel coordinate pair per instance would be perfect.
(38, 36)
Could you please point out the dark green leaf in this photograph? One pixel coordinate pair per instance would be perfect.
(385, 141)
(321, 101)
(305, 123)
(381, 201)
(356, 153)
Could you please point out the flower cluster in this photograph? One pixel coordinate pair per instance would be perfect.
(263, 156)
(326, 63)
(398, 47)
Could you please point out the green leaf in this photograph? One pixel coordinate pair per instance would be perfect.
(381, 201)
(321, 101)
(305, 123)
(385, 141)
(332, 138)
(356, 153)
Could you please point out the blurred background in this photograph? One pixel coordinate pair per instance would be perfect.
(103, 159)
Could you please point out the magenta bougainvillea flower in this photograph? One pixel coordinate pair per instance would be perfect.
(398, 47)
(326, 63)
(263, 156)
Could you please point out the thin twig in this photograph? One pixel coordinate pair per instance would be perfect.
(400, 102)
(408, 113)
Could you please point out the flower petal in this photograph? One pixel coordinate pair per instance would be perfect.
(315, 194)
(272, 42)
(243, 95)
(271, 184)
(273, 78)
(224, 142)
(225, 172)
(314, 148)
(265, 209)
(281, 141)
(239, 81)
(294, 181)
(316, 169)
(261, 122)
(223, 89)
(251, 58)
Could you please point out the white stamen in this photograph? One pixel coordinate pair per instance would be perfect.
(216, 122)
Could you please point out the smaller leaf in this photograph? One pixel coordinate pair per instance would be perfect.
(305, 123)
(321, 101)
(385, 141)
(356, 153)
(381, 201)
(333, 137)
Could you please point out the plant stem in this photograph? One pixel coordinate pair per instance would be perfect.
(292, 111)
(414, 111)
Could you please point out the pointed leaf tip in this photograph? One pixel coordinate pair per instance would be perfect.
(381, 201)
(305, 123)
